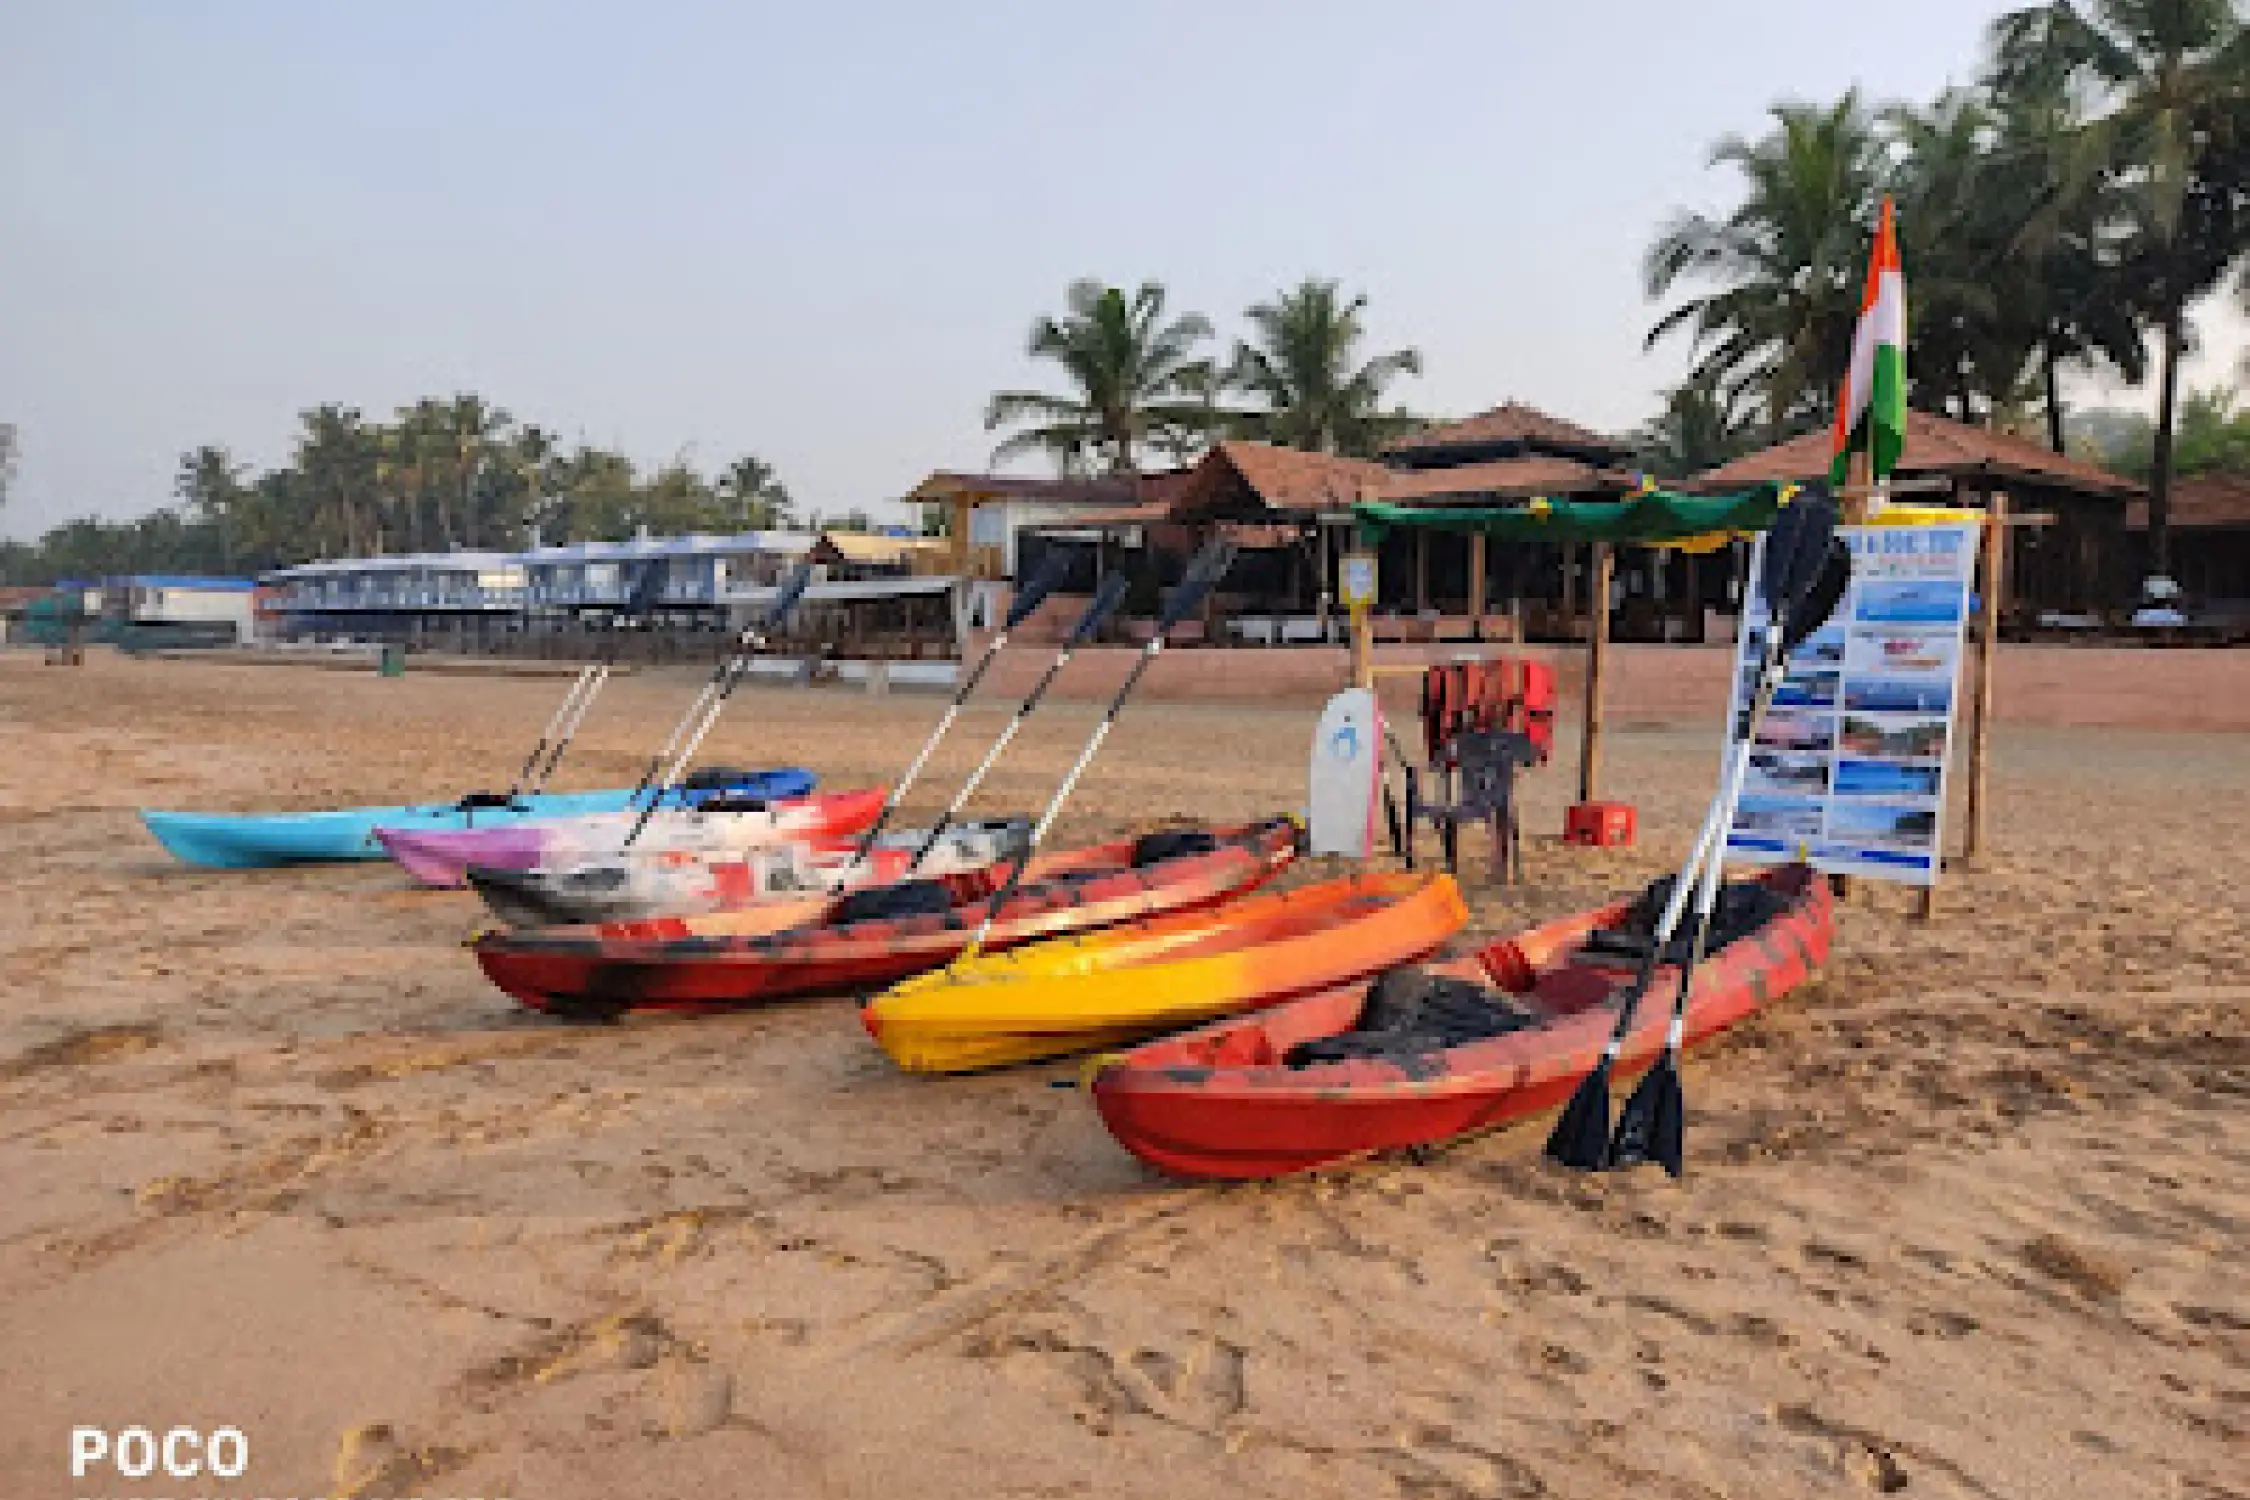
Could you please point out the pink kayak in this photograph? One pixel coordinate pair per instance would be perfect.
(441, 857)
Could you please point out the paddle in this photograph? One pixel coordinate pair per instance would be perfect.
(1653, 1124)
(1793, 551)
(1108, 594)
(571, 712)
(1203, 573)
(1044, 581)
(704, 712)
(640, 602)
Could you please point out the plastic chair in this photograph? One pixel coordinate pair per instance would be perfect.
(1484, 767)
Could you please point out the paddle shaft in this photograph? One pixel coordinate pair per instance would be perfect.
(1208, 567)
(705, 711)
(1107, 596)
(530, 778)
(563, 727)
(1710, 842)
(1034, 592)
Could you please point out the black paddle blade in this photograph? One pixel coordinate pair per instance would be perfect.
(1108, 594)
(1820, 601)
(1653, 1124)
(1580, 1139)
(1796, 548)
(1044, 580)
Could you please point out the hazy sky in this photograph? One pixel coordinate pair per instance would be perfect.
(818, 232)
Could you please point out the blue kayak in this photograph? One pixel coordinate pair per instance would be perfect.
(246, 841)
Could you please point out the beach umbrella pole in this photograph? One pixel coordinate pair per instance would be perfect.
(1108, 594)
(1203, 574)
(1034, 592)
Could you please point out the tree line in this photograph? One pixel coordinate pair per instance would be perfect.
(443, 473)
(2063, 211)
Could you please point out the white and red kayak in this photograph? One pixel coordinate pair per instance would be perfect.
(637, 886)
(441, 857)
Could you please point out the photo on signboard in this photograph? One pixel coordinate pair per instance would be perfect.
(1813, 689)
(1900, 825)
(1783, 772)
(1797, 731)
(1899, 695)
(1894, 736)
(1884, 778)
(1911, 601)
(1778, 817)
(1823, 648)
(1909, 653)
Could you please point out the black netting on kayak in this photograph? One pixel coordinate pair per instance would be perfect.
(1411, 1013)
(909, 898)
(1174, 843)
(712, 778)
(732, 802)
(1742, 908)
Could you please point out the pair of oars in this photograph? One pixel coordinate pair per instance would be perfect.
(562, 728)
(670, 763)
(1804, 569)
(1203, 574)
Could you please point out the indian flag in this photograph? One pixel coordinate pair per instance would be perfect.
(1871, 408)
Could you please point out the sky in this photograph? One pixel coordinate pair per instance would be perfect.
(819, 233)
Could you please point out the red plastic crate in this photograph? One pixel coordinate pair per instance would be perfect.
(1605, 825)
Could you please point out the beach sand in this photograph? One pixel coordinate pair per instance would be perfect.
(1967, 1217)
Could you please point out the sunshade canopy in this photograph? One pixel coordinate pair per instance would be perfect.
(1649, 516)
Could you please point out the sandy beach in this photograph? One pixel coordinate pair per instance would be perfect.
(1966, 1217)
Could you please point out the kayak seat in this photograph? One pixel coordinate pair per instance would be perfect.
(880, 903)
(714, 778)
(1171, 843)
(476, 800)
(728, 802)
(1411, 1013)
(1742, 907)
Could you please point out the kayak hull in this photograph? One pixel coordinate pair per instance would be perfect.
(1221, 1102)
(784, 949)
(640, 886)
(441, 857)
(246, 841)
(1128, 982)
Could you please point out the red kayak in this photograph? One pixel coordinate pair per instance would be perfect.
(1461, 1046)
(824, 944)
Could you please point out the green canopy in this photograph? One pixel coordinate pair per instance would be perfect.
(1650, 516)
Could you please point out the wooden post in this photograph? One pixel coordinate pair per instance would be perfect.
(1994, 588)
(1476, 583)
(1859, 488)
(1421, 569)
(1597, 664)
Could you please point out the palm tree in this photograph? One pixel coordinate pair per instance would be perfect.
(1302, 363)
(471, 427)
(2056, 272)
(1131, 369)
(1701, 426)
(209, 483)
(336, 458)
(753, 496)
(1786, 264)
(2172, 83)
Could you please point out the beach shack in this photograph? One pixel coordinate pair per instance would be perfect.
(2210, 523)
(402, 598)
(2065, 519)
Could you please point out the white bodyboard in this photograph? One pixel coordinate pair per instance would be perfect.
(1347, 776)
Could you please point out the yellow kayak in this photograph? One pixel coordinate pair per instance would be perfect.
(1132, 981)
